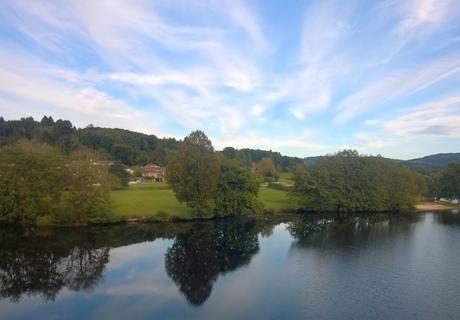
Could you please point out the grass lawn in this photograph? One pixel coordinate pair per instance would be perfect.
(273, 199)
(148, 201)
(156, 200)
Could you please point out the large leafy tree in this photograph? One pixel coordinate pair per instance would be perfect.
(349, 182)
(449, 181)
(31, 183)
(36, 180)
(194, 174)
(87, 196)
(236, 192)
(266, 169)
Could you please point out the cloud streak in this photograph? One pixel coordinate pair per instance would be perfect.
(250, 74)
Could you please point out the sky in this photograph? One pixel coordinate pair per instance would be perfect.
(300, 77)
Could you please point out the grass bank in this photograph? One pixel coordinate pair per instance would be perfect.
(156, 201)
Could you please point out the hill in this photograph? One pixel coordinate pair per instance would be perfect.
(434, 161)
(424, 164)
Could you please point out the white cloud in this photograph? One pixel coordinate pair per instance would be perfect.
(440, 118)
(433, 121)
(400, 84)
(257, 110)
(422, 12)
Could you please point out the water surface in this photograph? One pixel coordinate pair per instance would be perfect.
(373, 267)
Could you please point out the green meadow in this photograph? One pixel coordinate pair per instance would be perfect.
(157, 201)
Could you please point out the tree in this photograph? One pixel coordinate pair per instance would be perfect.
(229, 152)
(236, 192)
(349, 182)
(47, 121)
(449, 181)
(118, 172)
(197, 257)
(88, 193)
(31, 181)
(266, 169)
(193, 174)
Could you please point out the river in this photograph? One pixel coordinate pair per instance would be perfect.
(315, 267)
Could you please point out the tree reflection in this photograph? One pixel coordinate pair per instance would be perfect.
(43, 261)
(198, 256)
(31, 265)
(344, 231)
(448, 218)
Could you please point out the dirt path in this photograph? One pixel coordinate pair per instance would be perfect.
(432, 206)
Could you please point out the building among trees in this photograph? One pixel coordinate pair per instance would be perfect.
(153, 172)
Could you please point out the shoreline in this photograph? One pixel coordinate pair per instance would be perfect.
(435, 206)
(267, 213)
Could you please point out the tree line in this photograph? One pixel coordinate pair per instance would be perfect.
(124, 146)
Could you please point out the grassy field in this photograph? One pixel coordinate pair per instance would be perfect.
(274, 200)
(148, 201)
(156, 200)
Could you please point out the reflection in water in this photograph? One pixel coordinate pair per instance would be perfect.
(448, 218)
(197, 257)
(43, 261)
(343, 231)
(383, 265)
(33, 265)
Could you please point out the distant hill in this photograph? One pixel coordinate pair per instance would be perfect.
(431, 162)
(434, 161)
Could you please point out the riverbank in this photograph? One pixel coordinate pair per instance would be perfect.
(156, 202)
(435, 206)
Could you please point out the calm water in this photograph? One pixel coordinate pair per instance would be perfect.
(384, 267)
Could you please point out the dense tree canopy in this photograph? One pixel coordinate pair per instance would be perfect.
(348, 182)
(36, 180)
(236, 192)
(449, 182)
(31, 183)
(249, 156)
(209, 185)
(124, 146)
(266, 170)
(194, 173)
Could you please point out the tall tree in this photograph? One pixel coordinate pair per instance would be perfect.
(31, 181)
(266, 169)
(449, 181)
(237, 190)
(194, 173)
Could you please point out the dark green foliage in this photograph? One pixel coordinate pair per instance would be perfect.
(266, 170)
(117, 170)
(194, 173)
(36, 180)
(433, 161)
(347, 182)
(249, 156)
(128, 147)
(236, 192)
(88, 193)
(31, 183)
(197, 257)
(449, 182)
(210, 187)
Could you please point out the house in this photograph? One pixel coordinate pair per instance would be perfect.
(153, 172)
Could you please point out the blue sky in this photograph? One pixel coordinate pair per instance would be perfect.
(300, 77)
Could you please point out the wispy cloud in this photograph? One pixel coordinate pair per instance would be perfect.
(241, 70)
